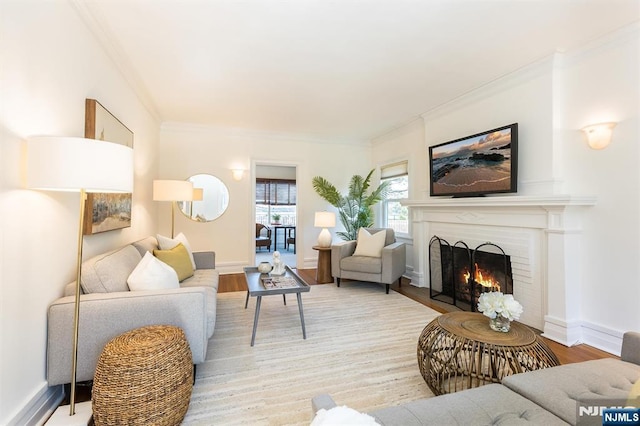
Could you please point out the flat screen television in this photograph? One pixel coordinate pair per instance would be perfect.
(476, 165)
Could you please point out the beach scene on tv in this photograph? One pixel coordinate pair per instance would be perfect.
(476, 164)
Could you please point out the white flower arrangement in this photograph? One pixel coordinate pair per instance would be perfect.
(494, 303)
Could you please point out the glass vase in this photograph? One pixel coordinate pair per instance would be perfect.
(500, 323)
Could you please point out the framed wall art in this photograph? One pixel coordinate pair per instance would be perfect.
(104, 211)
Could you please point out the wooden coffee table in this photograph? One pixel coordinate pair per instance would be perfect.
(458, 351)
(257, 289)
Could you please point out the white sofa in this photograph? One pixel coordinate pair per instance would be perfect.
(108, 309)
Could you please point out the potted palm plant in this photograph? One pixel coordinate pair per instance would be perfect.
(355, 207)
(276, 219)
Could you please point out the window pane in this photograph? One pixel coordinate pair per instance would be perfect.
(262, 214)
(276, 192)
(398, 187)
(397, 216)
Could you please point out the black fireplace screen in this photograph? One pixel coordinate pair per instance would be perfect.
(459, 274)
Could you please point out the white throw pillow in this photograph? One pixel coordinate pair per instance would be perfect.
(342, 416)
(370, 245)
(166, 243)
(152, 274)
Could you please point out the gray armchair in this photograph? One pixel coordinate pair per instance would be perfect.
(384, 270)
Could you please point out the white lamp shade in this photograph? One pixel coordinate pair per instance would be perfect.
(324, 220)
(172, 190)
(198, 194)
(72, 164)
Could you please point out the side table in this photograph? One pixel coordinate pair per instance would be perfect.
(323, 273)
(459, 350)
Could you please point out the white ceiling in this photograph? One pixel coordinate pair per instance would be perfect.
(332, 69)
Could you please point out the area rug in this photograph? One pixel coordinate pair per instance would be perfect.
(360, 348)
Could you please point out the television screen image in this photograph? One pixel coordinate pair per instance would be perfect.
(480, 164)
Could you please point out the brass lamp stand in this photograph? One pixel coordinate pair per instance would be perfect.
(78, 165)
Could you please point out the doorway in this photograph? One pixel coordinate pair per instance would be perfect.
(276, 213)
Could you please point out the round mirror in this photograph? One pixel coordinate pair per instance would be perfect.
(211, 199)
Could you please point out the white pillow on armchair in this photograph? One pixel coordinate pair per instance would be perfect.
(370, 245)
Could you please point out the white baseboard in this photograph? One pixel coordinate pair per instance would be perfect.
(417, 279)
(603, 338)
(39, 408)
(231, 267)
(567, 333)
(570, 333)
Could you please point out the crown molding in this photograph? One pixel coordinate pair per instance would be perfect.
(104, 35)
(175, 126)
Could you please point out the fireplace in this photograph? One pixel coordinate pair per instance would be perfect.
(459, 274)
(542, 235)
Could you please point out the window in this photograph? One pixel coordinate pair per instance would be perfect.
(395, 215)
(276, 197)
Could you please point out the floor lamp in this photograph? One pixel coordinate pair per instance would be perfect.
(172, 190)
(78, 165)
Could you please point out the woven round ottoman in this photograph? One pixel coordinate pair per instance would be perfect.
(144, 376)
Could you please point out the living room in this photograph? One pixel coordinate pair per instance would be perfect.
(54, 58)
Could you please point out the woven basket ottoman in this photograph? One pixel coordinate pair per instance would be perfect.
(144, 376)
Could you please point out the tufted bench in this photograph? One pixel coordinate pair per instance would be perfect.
(559, 389)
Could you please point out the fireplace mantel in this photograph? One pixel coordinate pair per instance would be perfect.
(544, 232)
(506, 201)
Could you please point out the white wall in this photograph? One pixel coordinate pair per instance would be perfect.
(186, 150)
(50, 64)
(601, 83)
(551, 100)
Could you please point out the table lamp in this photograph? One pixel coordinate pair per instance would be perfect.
(78, 165)
(324, 220)
(172, 190)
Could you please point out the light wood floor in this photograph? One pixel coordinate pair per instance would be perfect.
(577, 353)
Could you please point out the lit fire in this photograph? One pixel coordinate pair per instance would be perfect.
(485, 281)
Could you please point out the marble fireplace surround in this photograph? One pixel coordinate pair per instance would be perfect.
(543, 236)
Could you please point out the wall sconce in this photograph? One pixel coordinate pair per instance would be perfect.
(237, 174)
(599, 135)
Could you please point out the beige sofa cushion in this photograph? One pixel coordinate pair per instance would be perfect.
(108, 273)
(209, 279)
(487, 405)
(369, 265)
(558, 389)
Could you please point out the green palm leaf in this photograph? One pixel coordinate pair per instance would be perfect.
(355, 208)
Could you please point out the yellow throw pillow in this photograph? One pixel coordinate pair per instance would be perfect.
(178, 258)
